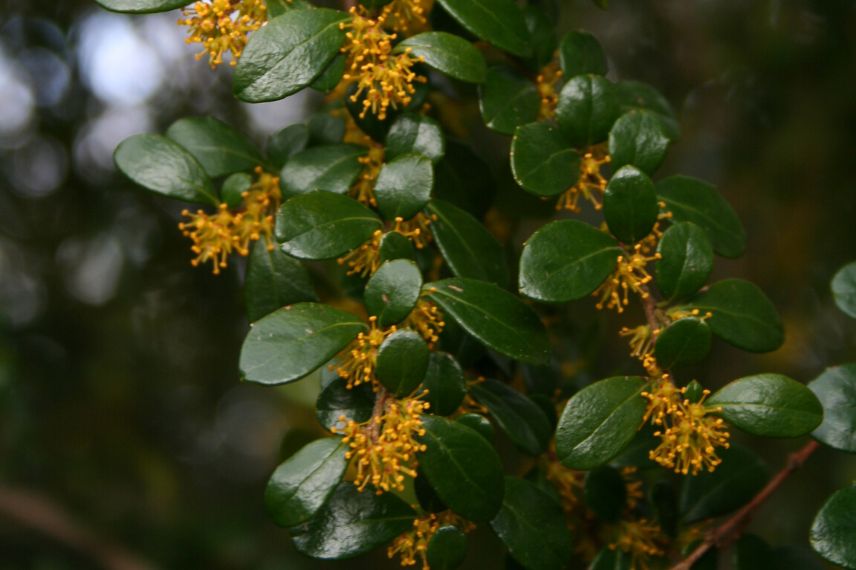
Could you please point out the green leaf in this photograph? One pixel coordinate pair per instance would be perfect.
(162, 166)
(331, 167)
(325, 129)
(448, 54)
(392, 291)
(274, 280)
(588, 106)
(692, 200)
(142, 6)
(402, 360)
(462, 467)
(288, 344)
(542, 35)
(493, 316)
(288, 53)
(302, 484)
(478, 423)
(404, 186)
(284, 144)
(219, 148)
(469, 249)
(734, 482)
(605, 493)
(834, 527)
(638, 95)
(844, 289)
(609, 559)
(508, 101)
(233, 189)
(464, 179)
(519, 417)
(685, 341)
(337, 400)
(393, 246)
(630, 205)
(686, 260)
(742, 315)
(532, 526)
(322, 225)
(501, 23)
(445, 383)
(447, 548)
(836, 390)
(579, 53)
(599, 421)
(566, 260)
(352, 523)
(638, 138)
(412, 132)
(278, 7)
(542, 161)
(769, 405)
(332, 74)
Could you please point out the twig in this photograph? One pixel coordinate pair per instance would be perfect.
(729, 530)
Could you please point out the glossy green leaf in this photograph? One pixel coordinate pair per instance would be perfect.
(326, 129)
(542, 161)
(336, 400)
(500, 22)
(588, 106)
(160, 165)
(605, 493)
(322, 225)
(288, 53)
(351, 523)
(232, 191)
(542, 35)
(393, 246)
(142, 6)
(448, 54)
(330, 78)
(686, 260)
(302, 484)
(402, 360)
(392, 292)
(331, 167)
(836, 390)
(445, 383)
(288, 344)
(685, 341)
(599, 421)
(734, 482)
(274, 280)
(447, 548)
(219, 148)
(769, 405)
(520, 418)
(580, 53)
(844, 289)
(638, 95)
(284, 144)
(469, 249)
(478, 423)
(692, 200)
(566, 260)
(834, 528)
(532, 526)
(415, 133)
(404, 186)
(630, 205)
(508, 100)
(742, 315)
(278, 7)
(638, 138)
(494, 316)
(462, 467)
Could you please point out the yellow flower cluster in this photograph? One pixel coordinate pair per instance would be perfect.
(217, 236)
(382, 79)
(222, 26)
(630, 275)
(359, 359)
(591, 184)
(413, 544)
(547, 83)
(407, 17)
(689, 432)
(427, 320)
(385, 447)
(365, 259)
(641, 539)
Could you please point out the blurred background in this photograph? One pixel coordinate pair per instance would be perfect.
(125, 436)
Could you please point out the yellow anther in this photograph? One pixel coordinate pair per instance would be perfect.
(591, 183)
(222, 26)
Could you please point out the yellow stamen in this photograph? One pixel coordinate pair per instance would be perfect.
(641, 539)
(222, 26)
(591, 184)
(427, 320)
(548, 83)
(413, 544)
(358, 360)
(630, 275)
(407, 16)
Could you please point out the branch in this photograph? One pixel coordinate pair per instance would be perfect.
(730, 529)
(39, 513)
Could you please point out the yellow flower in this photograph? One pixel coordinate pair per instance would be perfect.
(569, 484)
(363, 188)
(385, 447)
(591, 184)
(417, 229)
(413, 544)
(212, 236)
(359, 359)
(407, 16)
(642, 340)
(548, 82)
(427, 320)
(630, 275)
(222, 26)
(365, 259)
(641, 539)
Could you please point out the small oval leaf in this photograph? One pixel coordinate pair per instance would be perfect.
(685, 341)
(519, 417)
(404, 186)
(638, 138)
(392, 292)
(402, 360)
(836, 390)
(501, 22)
(448, 54)
(630, 205)
(332, 168)
(508, 101)
(588, 106)
(844, 289)
(542, 161)
(686, 260)
(834, 527)
(218, 147)
(445, 383)
(412, 132)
